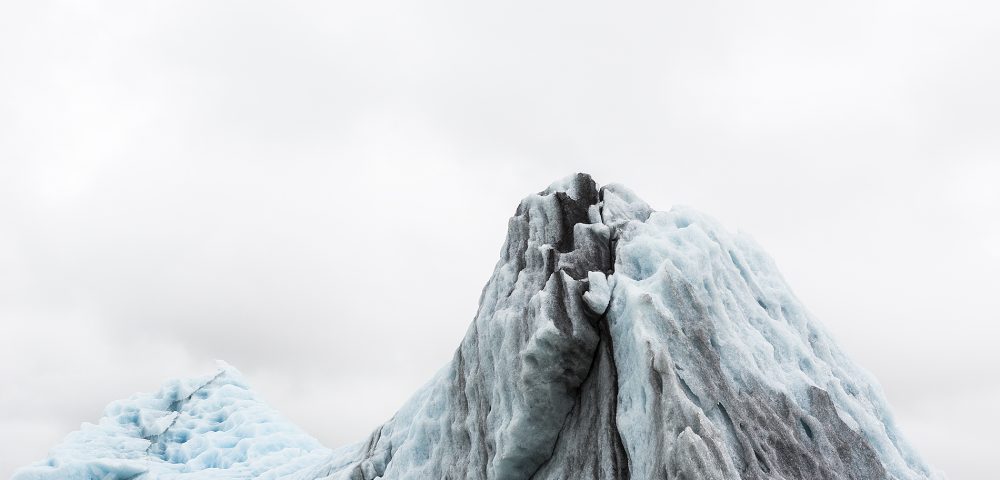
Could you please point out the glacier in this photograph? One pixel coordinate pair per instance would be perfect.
(612, 341)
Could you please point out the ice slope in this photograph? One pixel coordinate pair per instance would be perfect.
(736, 380)
(207, 428)
(611, 341)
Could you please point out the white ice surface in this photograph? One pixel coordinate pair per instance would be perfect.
(599, 294)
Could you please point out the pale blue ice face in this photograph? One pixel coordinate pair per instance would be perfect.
(211, 427)
(678, 274)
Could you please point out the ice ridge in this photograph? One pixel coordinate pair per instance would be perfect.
(612, 341)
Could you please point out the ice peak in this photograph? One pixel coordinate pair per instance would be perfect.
(611, 342)
(579, 186)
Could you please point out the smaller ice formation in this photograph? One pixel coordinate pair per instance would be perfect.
(611, 342)
(211, 427)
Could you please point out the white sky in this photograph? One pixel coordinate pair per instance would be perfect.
(317, 191)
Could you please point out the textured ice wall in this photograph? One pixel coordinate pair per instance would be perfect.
(722, 372)
(497, 410)
(611, 342)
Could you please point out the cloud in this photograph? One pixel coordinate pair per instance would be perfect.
(317, 192)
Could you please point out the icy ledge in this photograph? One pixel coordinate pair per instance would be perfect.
(611, 342)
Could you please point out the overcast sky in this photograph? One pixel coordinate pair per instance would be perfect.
(317, 191)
